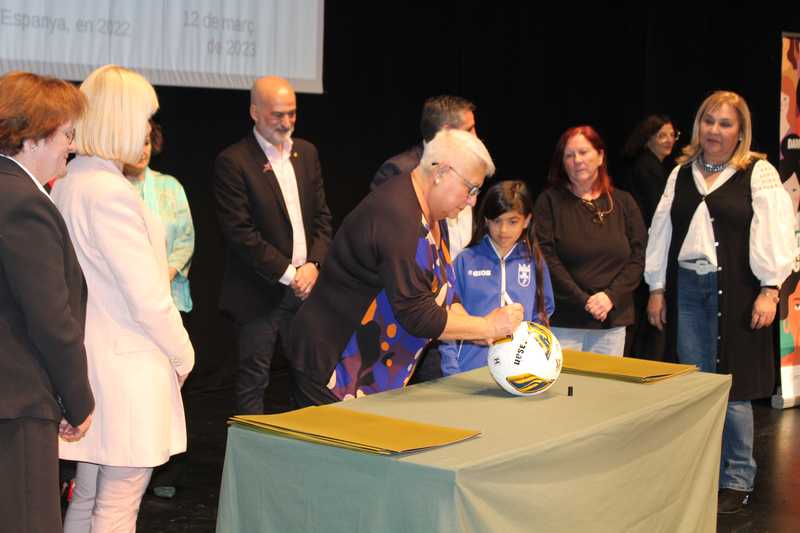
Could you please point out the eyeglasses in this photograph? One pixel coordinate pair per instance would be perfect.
(663, 136)
(472, 189)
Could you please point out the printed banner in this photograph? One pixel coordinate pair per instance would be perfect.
(789, 327)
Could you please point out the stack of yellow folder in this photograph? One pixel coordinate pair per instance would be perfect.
(335, 426)
(623, 368)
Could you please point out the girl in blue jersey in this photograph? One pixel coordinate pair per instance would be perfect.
(502, 265)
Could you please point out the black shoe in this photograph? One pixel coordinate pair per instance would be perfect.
(730, 501)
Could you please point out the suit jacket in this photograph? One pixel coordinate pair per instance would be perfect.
(256, 227)
(135, 340)
(402, 163)
(42, 307)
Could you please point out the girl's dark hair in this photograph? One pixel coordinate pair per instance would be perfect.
(500, 198)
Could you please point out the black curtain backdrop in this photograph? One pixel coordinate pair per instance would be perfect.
(531, 75)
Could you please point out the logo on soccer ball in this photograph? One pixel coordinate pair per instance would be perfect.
(527, 363)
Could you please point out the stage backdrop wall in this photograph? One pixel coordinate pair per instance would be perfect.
(531, 76)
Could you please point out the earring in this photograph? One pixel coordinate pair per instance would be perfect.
(436, 181)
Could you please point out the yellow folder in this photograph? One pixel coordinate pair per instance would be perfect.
(623, 368)
(336, 426)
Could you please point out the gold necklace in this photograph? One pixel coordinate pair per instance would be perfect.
(598, 215)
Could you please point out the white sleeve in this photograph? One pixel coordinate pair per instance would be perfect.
(660, 236)
(120, 234)
(773, 245)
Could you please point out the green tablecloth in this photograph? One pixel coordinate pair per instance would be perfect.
(615, 456)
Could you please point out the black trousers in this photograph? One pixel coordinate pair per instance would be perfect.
(29, 492)
(257, 341)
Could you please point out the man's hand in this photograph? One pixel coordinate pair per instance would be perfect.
(657, 310)
(305, 278)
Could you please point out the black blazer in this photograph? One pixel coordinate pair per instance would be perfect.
(402, 163)
(256, 227)
(43, 371)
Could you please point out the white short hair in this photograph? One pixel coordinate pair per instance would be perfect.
(457, 147)
(121, 103)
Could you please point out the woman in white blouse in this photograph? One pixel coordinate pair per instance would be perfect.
(721, 243)
(139, 354)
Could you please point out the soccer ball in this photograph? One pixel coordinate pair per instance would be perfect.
(527, 363)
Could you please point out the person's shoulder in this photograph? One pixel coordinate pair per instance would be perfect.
(238, 149)
(302, 145)
(166, 179)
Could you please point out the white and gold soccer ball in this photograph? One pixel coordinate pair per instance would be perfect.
(527, 363)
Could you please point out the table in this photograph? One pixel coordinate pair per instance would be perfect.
(615, 456)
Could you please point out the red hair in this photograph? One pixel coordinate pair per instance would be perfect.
(558, 174)
(33, 107)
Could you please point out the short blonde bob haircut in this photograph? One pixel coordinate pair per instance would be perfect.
(742, 156)
(115, 126)
(456, 146)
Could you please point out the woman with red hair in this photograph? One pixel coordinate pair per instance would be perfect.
(592, 237)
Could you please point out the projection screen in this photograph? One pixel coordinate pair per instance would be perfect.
(190, 43)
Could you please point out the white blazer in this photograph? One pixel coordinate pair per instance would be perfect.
(135, 340)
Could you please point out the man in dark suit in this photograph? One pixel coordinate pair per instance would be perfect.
(438, 113)
(277, 226)
(44, 383)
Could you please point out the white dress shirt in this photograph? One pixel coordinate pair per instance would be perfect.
(772, 240)
(459, 229)
(281, 163)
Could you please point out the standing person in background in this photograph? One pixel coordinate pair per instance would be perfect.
(593, 238)
(439, 113)
(164, 197)
(277, 227)
(502, 265)
(139, 352)
(648, 149)
(721, 244)
(44, 385)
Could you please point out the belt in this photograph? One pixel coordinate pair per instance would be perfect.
(700, 266)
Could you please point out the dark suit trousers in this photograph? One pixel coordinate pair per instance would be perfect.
(29, 498)
(257, 341)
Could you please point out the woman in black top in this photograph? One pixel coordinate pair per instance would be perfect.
(648, 148)
(592, 237)
(387, 286)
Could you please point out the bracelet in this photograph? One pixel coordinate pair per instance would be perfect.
(775, 298)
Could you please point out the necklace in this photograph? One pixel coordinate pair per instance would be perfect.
(599, 216)
(711, 167)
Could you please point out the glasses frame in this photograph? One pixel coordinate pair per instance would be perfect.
(472, 189)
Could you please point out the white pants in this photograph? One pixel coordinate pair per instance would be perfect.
(106, 499)
(605, 341)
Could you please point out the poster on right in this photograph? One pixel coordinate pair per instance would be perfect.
(789, 168)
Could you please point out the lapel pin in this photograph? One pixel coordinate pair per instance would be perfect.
(267, 167)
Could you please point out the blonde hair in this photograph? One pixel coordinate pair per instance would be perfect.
(121, 103)
(742, 156)
(453, 146)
